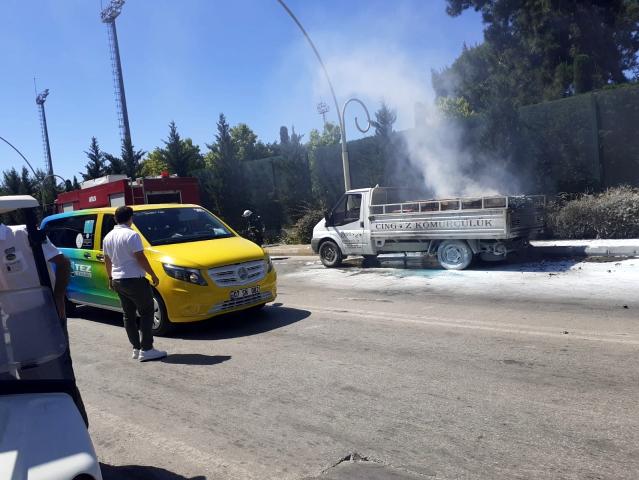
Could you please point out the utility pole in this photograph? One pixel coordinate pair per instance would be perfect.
(322, 109)
(108, 16)
(340, 113)
(40, 99)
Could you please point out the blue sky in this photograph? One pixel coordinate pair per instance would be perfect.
(189, 60)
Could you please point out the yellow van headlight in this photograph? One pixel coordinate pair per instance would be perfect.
(269, 264)
(190, 275)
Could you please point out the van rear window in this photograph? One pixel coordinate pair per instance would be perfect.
(179, 225)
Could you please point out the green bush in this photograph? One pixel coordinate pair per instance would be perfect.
(302, 230)
(611, 214)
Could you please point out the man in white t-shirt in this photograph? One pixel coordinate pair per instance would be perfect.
(18, 269)
(126, 268)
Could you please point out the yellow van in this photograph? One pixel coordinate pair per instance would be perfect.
(205, 268)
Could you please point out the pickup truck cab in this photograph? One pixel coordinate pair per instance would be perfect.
(373, 221)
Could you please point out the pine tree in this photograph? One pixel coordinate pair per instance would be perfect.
(12, 183)
(385, 118)
(116, 166)
(227, 174)
(96, 166)
(128, 163)
(131, 158)
(181, 156)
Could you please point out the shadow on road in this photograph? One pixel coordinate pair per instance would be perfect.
(140, 472)
(240, 324)
(523, 262)
(195, 359)
(98, 315)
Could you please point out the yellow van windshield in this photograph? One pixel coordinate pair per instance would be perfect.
(179, 225)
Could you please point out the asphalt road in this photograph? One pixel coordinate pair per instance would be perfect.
(364, 383)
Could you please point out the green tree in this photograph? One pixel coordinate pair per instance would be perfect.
(534, 42)
(96, 167)
(129, 161)
(293, 170)
(115, 164)
(582, 74)
(322, 186)
(29, 185)
(224, 184)
(245, 141)
(330, 135)
(385, 118)
(69, 185)
(455, 107)
(181, 156)
(379, 165)
(153, 164)
(12, 184)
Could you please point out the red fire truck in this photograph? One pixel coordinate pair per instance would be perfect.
(116, 190)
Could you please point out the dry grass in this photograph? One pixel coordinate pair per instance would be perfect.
(611, 214)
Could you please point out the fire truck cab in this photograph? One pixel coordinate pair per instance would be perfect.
(117, 190)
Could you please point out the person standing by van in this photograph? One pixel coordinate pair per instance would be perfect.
(126, 266)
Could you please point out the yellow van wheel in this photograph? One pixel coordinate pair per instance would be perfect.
(161, 323)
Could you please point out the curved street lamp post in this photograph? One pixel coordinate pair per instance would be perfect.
(35, 175)
(340, 112)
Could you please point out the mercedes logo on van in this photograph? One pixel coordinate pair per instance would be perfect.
(242, 273)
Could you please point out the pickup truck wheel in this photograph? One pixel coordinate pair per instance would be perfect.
(454, 254)
(161, 324)
(330, 254)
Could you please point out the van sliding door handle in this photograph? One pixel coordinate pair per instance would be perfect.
(87, 255)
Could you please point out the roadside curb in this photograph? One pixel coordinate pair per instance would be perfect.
(585, 251)
(542, 248)
(289, 250)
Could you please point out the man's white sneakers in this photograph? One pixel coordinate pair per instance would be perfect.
(136, 354)
(153, 354)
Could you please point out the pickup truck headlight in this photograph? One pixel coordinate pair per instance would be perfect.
(190, 275)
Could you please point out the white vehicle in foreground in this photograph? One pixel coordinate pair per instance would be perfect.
(372, 221)
(42, 433)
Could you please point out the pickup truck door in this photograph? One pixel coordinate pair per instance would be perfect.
(348, 223)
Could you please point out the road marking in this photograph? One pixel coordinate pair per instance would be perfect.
(522, 329)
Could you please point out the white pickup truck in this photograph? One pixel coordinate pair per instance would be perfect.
(372, 221)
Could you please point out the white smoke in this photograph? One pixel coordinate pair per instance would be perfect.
(381, 73)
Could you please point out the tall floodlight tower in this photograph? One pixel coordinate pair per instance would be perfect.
(108, 16)
(322, 109)
(40, 99)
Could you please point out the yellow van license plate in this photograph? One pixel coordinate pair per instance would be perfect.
(245, 292)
